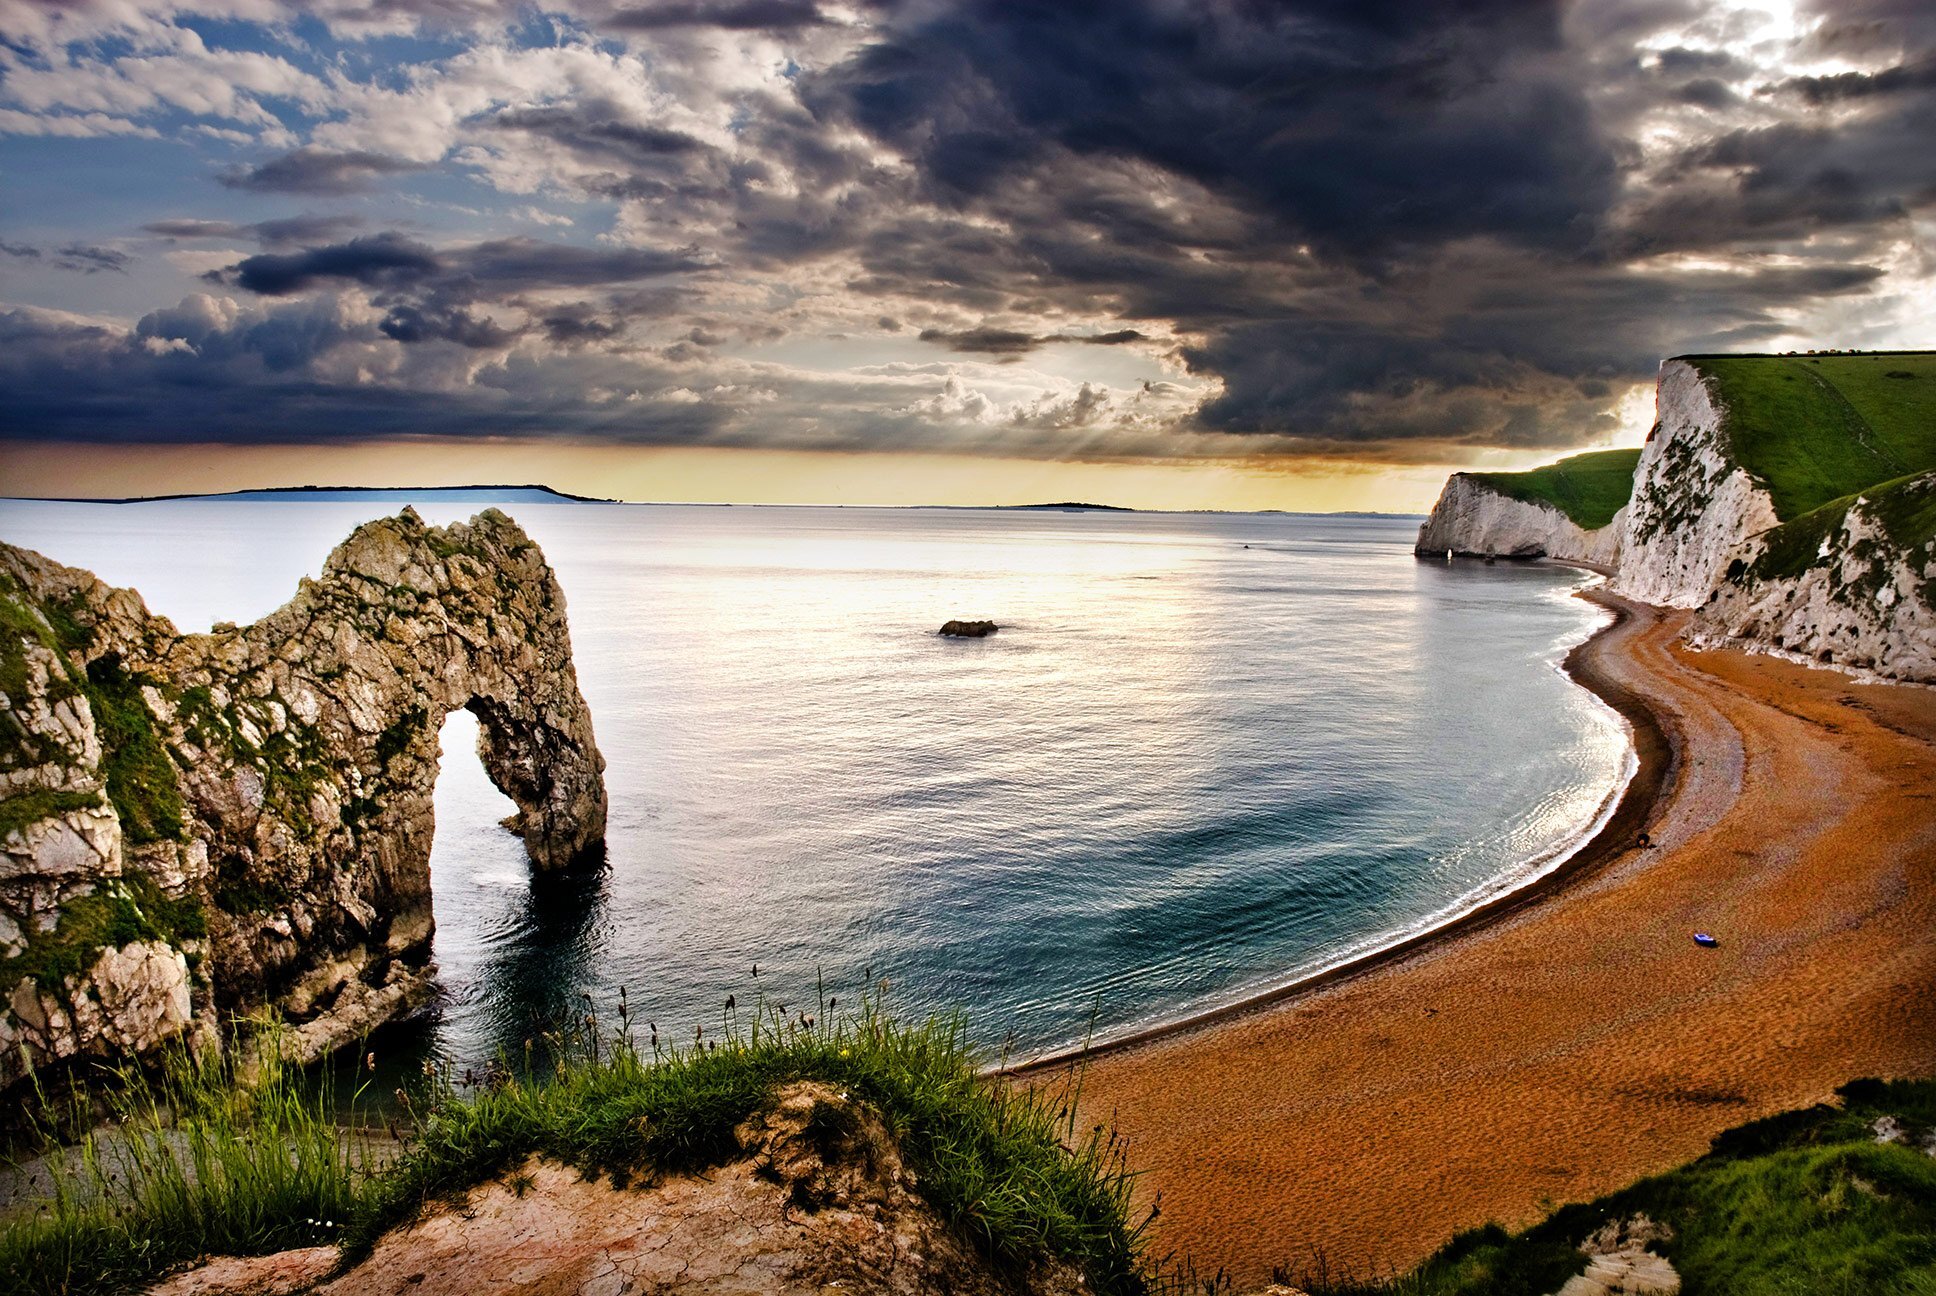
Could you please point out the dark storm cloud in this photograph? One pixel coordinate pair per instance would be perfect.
(392, 261)
(1366, 127)
(1416, 207)
(1363, 228)
(733, 15)
(415, 324)
(318, 171)
(381, 260)
(1009, 342)
(1843, 86)
(282, 231)
(1858, 178)
(580, 325)
(988, 341)
(195, 372)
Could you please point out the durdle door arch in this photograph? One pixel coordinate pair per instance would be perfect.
(284, 819)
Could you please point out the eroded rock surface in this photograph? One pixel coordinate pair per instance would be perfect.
(1621, 1262)
(820, 1201)
(1861, 599)
(199, 826)
(1694, 506)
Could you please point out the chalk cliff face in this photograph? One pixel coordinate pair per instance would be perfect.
(1695, 509)
(201, 826)
(1840, 587)
(1861, 599)
(1473, 520)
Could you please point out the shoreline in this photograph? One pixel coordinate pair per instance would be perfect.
(1555, 1052)
(1656, 755)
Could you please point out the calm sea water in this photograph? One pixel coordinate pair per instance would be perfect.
(1204, 755)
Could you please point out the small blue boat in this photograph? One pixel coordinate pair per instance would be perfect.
(1702, 938)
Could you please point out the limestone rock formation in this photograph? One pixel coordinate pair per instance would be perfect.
(1694, 507)
(1473, 520)
(969, 629)
(195, 827)
(1621, 1262)
(819, 1201)
(1838, 586)
(1834, 588)
(1854, 597)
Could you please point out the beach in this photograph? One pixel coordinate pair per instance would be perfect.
(1573, 1037)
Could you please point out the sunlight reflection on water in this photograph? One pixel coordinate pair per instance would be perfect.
(1204, 752)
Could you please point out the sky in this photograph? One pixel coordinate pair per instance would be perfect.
(1164, 253)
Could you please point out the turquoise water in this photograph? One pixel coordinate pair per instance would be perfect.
(1205, 754)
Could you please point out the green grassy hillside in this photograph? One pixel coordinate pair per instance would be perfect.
(1809, 1202)
(1817, 428)
(1589, 488)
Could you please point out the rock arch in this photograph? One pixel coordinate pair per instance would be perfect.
(285, 814)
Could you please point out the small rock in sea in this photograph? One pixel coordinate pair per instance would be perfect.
(969, 629)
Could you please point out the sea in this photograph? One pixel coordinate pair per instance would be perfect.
(1205, 756)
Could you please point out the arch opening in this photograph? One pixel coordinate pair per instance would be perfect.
(508, 958)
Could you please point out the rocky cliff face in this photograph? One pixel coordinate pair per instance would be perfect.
(196, 827)
(1473, 520)
(1694, 509)
(1851, 585)
(1843, 589)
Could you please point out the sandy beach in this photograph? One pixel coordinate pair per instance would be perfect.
(1575, 1038)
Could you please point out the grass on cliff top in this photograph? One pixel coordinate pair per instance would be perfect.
(1807, 1203)
(1588, 488)
(1817, 428)
(250, 1171)
(1905, 508)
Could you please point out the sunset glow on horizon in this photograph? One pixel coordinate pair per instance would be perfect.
(702, 476)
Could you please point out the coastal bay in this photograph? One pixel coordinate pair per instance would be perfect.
(1555, 1048)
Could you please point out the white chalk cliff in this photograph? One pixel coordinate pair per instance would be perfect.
(1473, 520)
(1701, 532)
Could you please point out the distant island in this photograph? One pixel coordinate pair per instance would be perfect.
(1068, 506)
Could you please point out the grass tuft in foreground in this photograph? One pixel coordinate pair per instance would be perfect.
(186, 1163)
(195, 1165)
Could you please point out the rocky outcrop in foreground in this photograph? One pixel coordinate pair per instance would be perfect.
(819, 1201)
(200, 827)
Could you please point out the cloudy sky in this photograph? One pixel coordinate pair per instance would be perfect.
(1169, 252)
